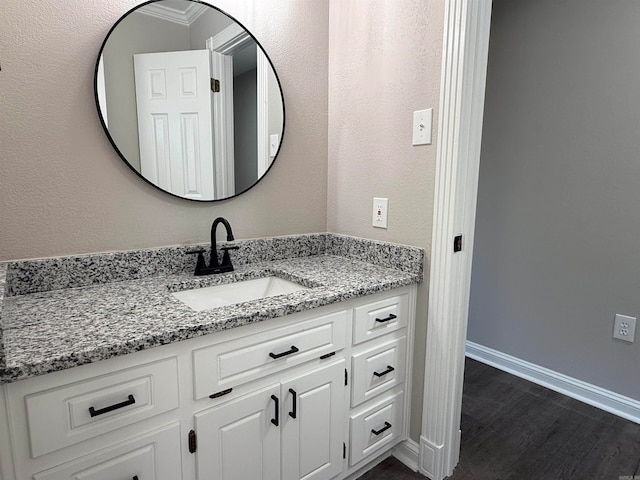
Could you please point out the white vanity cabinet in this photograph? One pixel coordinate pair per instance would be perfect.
(315, 395)
(290, 431)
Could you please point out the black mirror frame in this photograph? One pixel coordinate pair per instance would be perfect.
(113, 143)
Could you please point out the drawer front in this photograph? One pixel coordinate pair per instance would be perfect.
(155, 456)
(379, 318)
(64, 416)
(376, 428)
(236, 362)
(377, 370)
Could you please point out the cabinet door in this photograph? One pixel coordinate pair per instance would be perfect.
(312, 424)
(238, 440)
(153, 456)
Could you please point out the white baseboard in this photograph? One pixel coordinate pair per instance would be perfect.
(598, 397)
(408, 452)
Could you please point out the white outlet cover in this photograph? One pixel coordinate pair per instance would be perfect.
(380, 210)
(624, 328)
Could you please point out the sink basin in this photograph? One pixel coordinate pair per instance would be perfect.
(229, 293)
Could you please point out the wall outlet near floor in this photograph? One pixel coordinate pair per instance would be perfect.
(380, 208)
(624, 328)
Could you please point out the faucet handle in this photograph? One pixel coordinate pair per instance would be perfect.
(226, 260)
(200, 262)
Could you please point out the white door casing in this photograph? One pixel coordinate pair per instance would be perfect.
(264, 159)
(175, 121)
(223, 118)
(464, 68)
(222, 47)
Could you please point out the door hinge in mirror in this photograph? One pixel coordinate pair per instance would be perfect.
(193, 442)
(457, 244)
(215, 85)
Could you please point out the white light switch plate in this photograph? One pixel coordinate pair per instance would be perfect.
(380, 209)
(422, 124)
(273, 144)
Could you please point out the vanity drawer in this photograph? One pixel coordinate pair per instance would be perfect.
(377, 427)
(69, 414)
(377, 370)
(379, 318)
(154, 456)
(233, 363)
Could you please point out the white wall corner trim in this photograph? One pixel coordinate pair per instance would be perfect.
(464, 69)
(408, 452)
(588, 393)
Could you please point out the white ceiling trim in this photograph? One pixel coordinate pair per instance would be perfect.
(174, 15)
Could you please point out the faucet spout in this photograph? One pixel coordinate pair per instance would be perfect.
(214, 250)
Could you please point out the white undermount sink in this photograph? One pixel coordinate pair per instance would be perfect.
(229, 293)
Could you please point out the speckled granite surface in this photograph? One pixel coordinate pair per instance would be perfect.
(122, 301)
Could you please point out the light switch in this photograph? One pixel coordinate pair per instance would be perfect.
(273, 144)
(422, 124)
(380, 208)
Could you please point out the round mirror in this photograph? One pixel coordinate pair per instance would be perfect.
(189, 99)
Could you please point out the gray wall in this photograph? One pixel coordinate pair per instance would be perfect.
(557, 247)
(138, 33)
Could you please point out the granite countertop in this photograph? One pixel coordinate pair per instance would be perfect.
(52, 330)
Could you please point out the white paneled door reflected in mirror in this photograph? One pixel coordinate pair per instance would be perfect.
(189, 99)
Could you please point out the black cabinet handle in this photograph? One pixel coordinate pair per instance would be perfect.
(294, 409)
(94, 413)
(390, 317)
(221, 394)
(284, 354)
(386, 427)
(276, 421)
(382, 374)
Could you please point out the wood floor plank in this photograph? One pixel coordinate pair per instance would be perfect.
(616, 453)
(391, 469)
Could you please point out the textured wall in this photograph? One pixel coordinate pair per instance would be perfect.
(384, 63)
(556, 248)
(64, 190)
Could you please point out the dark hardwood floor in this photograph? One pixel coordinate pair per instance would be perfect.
(513, 429)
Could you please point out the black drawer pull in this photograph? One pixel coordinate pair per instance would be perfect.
(294, 409)
(94, 413)
(276, 421)
(135, 477)
(284, 354)
(327, 355)
(221, 394)
(390, 317)
(382, 374)
(386, 427)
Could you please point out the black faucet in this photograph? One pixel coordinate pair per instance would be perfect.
(214, 265)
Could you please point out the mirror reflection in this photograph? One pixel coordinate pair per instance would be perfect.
(189, 99)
